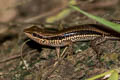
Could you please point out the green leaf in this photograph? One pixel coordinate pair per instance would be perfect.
(62, 14)
(114, 75)
(101, 75)
(109, 24)
(59, 16)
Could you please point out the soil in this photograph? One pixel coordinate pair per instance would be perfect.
(21, 59)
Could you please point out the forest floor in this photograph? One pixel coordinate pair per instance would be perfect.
(36, 62)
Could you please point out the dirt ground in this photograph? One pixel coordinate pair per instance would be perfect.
(21, 60)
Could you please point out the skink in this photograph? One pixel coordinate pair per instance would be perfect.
(70, 35)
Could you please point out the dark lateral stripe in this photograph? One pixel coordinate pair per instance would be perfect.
(60, 37)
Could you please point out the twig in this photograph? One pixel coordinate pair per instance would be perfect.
(64, 5)
(15, 57)
(55, 67)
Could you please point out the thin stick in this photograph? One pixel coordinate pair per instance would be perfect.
(63, 53)
(22, 54)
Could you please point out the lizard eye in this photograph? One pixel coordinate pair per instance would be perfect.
(34, 34)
